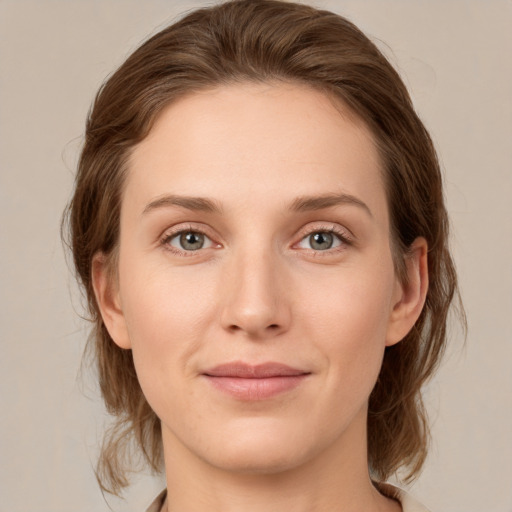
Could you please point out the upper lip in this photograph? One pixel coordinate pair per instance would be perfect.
(248, 371)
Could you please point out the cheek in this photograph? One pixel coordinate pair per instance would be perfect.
(167, 314)
(349, 300)
(347, 315)
(162, 303)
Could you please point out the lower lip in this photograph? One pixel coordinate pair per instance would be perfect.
(256, 389)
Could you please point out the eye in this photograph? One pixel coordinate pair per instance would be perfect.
(188, 241)
(321, 241)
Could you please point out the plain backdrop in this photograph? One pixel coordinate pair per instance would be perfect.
(455, 56)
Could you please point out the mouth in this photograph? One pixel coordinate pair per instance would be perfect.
(255, 382)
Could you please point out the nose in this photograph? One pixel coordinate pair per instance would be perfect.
(256, 297)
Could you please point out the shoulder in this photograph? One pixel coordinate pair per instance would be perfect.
(409, 504)
(158, 502)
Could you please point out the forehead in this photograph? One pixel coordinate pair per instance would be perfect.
(262, 139)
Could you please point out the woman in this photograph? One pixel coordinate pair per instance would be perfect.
(258, 223)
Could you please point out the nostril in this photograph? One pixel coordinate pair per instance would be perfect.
(236, 328)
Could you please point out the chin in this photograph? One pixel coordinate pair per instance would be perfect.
(261, 461)
(259, 452)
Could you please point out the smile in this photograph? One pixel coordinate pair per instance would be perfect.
(260, 382)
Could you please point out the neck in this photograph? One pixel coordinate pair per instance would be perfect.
(336, 479)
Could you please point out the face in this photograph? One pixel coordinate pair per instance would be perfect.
(256, 282)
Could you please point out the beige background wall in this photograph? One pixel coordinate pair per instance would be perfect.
(456, 58)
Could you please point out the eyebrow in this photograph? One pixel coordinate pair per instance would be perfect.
(312, 203)
(300, 204)
(201, 204)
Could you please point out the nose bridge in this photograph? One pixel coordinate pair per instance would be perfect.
(255, 303)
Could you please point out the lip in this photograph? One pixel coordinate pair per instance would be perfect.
(255, 382)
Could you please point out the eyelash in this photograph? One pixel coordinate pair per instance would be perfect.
(168, 236)
(344, 238)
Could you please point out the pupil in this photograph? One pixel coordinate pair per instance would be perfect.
(192, 241)
(321, 241)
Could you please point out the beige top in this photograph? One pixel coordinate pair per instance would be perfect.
(409, 504)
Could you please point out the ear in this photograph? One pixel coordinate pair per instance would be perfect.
(106, 290)
(409, 297)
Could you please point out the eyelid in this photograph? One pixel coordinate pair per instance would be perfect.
(181, 228)
(343, 234)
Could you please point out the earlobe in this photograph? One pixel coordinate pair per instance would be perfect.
(410, 296)
(107, 297)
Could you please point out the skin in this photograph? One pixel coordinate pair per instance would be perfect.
(259, 291)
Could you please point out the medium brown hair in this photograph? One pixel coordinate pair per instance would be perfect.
(266, 41)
